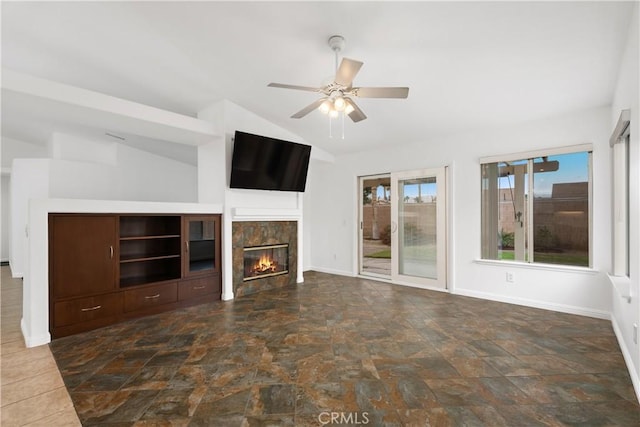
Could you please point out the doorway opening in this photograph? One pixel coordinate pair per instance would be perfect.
(375, 226)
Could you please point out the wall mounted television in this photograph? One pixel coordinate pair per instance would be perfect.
(263, 163)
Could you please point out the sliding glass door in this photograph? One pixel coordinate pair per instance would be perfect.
(375, 226)
(418, 224)
(402, 229)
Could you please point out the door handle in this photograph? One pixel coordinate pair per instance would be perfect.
(111, 251)
(186, 246)
(394, 227)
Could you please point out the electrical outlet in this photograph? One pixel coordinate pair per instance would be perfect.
(635, 333)
(509, 277)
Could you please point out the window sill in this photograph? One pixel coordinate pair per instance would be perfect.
(622, 284)
(537, 266)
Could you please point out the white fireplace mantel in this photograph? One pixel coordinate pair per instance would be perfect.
(266, 214)
(258, 214)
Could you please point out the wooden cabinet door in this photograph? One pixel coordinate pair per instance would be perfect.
(82, 255)
(201, 244)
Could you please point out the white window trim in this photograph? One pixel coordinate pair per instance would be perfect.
(537, 266)
(619, 142)
(530, 156)
(510, 157)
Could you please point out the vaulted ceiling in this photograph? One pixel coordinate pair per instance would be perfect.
(468, 64)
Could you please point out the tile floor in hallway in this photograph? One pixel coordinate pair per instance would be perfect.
(32, 390)
(357, 350)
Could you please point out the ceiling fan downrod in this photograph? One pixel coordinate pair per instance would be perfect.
(336, 43)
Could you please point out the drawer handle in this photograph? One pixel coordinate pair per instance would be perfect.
(198, 287)
(152, 296)
(97, 307)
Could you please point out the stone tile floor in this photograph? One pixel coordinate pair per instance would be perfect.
(338, 350)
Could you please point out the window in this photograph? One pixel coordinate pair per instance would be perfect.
(536, 207)
(620, 144)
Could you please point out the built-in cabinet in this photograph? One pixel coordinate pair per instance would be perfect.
(202, 233)
(105, 268)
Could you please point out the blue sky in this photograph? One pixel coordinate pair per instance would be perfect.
(573, 167)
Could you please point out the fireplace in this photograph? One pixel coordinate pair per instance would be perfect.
(279, 239)
(265, 261)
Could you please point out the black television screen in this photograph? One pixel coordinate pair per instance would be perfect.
(263, 163)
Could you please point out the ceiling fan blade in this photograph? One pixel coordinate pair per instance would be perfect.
(347, 71)
(285, 86)
(357, 114)
(380, 92)
(309, 108)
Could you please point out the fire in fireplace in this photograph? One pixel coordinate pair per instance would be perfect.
(265, 261)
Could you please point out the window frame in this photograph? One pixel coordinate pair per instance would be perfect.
(620, 143)
(530, 156)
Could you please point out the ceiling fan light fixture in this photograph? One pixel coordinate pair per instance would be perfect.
(337, 92)
(348, 109)
(325, 107)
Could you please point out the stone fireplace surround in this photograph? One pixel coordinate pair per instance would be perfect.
(258, 233)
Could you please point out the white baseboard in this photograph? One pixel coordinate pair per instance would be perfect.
(15, 274)
(563, 308)
(331, 271)
(30, 341)
(628, 360)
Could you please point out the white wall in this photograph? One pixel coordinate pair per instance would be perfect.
(214, 166)
(333, 211)
(92, 170)
(4, 217)
(627, 313)
(11, 149)
(29, 180)
(17, 149)
(149, 177)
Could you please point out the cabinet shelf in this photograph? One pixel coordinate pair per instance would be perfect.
(142, 280)
(164, 236)
(124, 260)
(148, 226)
(150, 270)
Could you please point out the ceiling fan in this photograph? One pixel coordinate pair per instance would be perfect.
(338, 95)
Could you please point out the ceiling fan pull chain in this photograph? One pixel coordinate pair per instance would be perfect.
(330, 135)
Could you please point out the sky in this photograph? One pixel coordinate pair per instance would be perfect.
(573, 167)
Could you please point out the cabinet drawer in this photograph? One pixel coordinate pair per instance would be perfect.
(86, 309)
(194, 288)
(152, 296)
